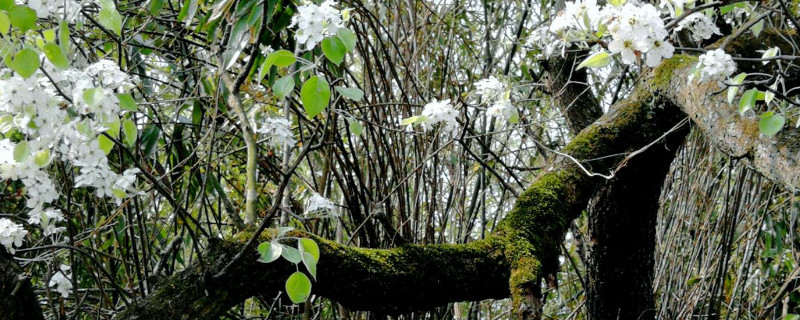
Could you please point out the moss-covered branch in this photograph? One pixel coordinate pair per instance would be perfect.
(513, 260)
(777, 157)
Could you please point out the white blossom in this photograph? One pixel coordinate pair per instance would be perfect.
(11, 234)
(439, 111)
(60, 281)
(503, 109)
(490, 88)
(276, 130)
(314, 23)
(699, 25)
(316, 203)
(714, 65)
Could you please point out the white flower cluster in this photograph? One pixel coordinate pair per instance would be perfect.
(11, 234)
(46, 8)
(699, 25)
(714, 65)
(314, 23)
(47, 219)
(317, 203)
(33, 107)
(60, 281)
(494, 92)
(638, 29)
(439, 111)
(277, 130)
(634, 28)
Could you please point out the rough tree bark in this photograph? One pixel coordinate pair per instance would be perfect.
(622, 236)
(17, 300)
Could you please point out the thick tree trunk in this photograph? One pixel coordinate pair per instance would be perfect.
(17, 300)
(622, 237)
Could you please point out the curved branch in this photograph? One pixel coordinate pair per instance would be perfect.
(524, 248)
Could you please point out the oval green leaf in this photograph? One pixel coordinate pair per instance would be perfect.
(597, 60)
(269, 251)
(283, 86)
(315, 95)
(353, 93)
(56, 56)
(310, 246)
(770, 123)
(347, 37)
(298, 287)
(25, 62)
(22, 17)
(334, 49)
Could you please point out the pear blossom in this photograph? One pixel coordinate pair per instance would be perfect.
(317, 202)
(60, 281)
(277, 131)
(503, 109)
(314, 23)
(490, 88)
(714, 65)
(658, 50)
(699, 25)
(11, 234)
(439, 111)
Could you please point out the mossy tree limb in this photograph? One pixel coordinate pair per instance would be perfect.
(777, 158)
(522, 251)
(513, 260)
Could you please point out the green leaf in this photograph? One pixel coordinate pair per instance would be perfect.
(315, 95)
(769, 53)
(409, 120)
(291, 254)
(298, 287)
(757, 28)
(42, 158)
(113, 128)
(155, 6)
(7, 4)
(748, 100)
(597, 60)
(105, 143)
(353, 93)
(110, 18)
(792, 316)
(280, 58)
(126, 102)
(311, 264)
(734, 89)
(25, 62)
(63, 36)
(269, 251)
(283, 86)
(334, 49)
(93, 96)
(22, 17)
(347, 37)
(310, 246)
(770, 123)
(21, 151)
(5, 23)
(49, 35)
(355, 127)
(56, 56)
(131, 132)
